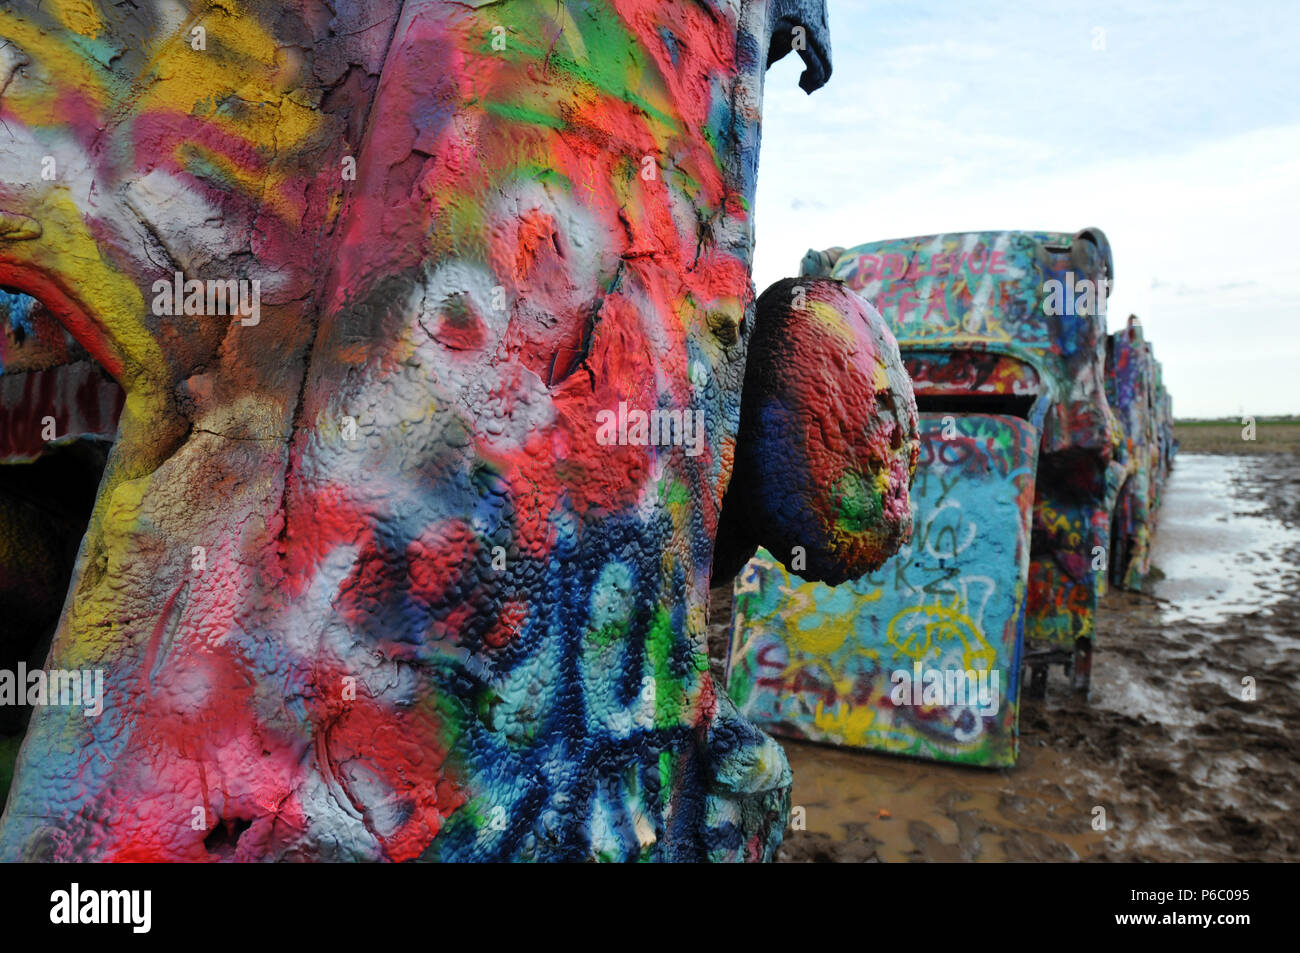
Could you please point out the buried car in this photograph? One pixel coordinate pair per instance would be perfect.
(1003, 335)
(389, 564)
(1144, 454)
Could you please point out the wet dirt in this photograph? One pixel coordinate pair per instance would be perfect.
(1186, 750)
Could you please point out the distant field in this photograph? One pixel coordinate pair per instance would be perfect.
(1225, 436)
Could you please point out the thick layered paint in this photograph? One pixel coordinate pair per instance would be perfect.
(366, 578)
(823, 465)
(822, 662)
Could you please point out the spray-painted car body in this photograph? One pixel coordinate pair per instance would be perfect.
(1144, 454)
(393, 569)
(1003, 334)
(847, 664)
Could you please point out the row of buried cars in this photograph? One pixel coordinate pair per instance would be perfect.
(1045, 443)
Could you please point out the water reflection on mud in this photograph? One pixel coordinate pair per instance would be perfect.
(1221, 554)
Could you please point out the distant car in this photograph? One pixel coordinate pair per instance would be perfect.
(1144, 454)
(1004, 335)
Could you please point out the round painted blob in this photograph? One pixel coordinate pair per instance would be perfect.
(829, 419)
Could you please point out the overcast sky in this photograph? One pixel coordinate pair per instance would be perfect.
(1180, 138)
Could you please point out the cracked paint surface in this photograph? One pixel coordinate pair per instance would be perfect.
(364, 582)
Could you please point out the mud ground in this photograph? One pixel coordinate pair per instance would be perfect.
(1184, 766)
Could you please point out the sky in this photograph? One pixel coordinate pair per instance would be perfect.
(1173, 127)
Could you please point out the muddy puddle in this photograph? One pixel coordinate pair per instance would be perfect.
(1183, 763)
(1220, 552)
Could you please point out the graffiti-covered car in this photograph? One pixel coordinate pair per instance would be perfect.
(1003, 334)
(1144, 452)
(430, 322)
